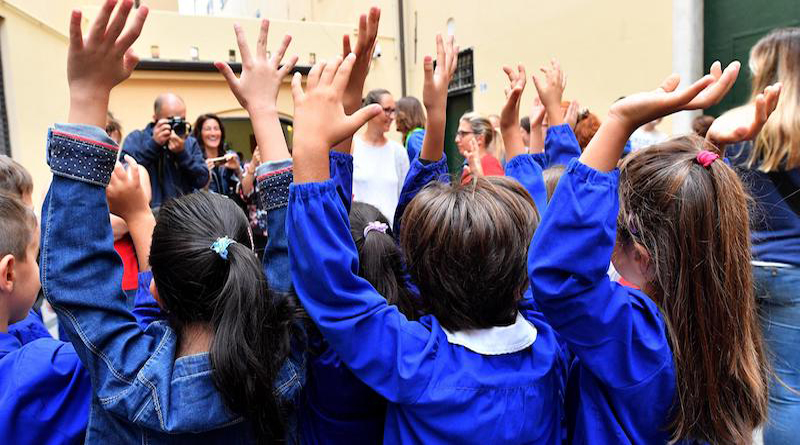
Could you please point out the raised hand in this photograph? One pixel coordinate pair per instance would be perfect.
(257, 89)
(365, 47)
(509, 116)
(538, 114)
(629, 113)
(571, 114)
(473, 156)
(434, 96)
(320, 121)
(551, 87)
(744, 123)
(101, 61)
(126, 197)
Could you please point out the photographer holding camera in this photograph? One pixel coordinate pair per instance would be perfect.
(165, 148)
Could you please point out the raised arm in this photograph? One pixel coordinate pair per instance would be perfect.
(434, 96)
(616, 332)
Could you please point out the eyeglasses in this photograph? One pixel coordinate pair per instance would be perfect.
(463, 134)
(390, 111)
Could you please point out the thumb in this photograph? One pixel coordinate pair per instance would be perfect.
(130, 60)
(360, 117)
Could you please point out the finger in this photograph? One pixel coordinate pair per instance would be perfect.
(330, 71)
(773, 96)
(716, 69)
(129, 61)
(684, 98)
(98, 29)
(512, 76)
(722, 83)
(361, 40)
(241, 40)
(670, 83)
(297, 87)
(359, 118)
(441, 58)
(522, 79)
(288, 66)
(118, 22)
(453, 62)
(342, 76)
(227, 73)
(276, 59)
(133, 32)
(119, 172)
(346, 49)
(75, 33)
(449, 52)
(314, 74)
(427, 65)
(133, 169)
(373, 20)
(261, 43)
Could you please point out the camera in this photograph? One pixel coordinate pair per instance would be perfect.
(179, 125)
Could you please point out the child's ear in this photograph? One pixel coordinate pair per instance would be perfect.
(642, 258)
(154, 293)
(7, 273)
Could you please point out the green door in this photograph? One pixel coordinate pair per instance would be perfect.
(457, 106)
(732, 27)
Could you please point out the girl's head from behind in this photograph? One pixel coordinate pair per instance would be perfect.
(466, 248)
(379, 259)
(683, 236)
(208, 277)
(776, 58)
(410, 114)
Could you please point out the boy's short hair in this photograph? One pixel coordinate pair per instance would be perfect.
(466, 248)
(14, 178)
(17, 226)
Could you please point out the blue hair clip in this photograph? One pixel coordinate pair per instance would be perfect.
(220, 246)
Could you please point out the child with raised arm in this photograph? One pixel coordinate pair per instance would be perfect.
(480, 368)
(682, 360)
(212, 372)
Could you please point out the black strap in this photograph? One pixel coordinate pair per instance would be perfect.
(788, 189)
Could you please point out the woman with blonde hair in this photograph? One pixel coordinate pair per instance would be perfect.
(770, 164)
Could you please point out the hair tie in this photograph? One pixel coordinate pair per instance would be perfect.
(220, 246)
(706, 158)
(375, 225)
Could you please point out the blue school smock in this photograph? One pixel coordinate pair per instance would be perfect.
(560, 147)
(438, 391)
(622, 381)
(44, 391)
(414, 143)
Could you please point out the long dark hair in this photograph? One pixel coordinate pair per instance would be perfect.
(379, 259)
(197, 132)
(693, 222)
(197, 286)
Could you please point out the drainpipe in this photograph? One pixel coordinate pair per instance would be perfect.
(687, 53)
(402, 37)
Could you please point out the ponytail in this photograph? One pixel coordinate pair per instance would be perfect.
(380, 260)
(690, 212)
(204, 281)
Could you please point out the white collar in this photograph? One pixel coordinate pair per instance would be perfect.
(496, 340)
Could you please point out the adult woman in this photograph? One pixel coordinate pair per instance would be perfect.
(379, 164)
(473, 126)
(411, 124)
(225, 175)
(770, 165)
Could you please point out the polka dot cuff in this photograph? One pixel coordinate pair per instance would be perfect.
(273, 189)
(80, 158)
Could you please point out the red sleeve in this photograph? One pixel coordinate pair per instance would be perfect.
(130, 263)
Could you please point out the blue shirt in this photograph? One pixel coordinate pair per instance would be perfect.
(622, 382)
(438, 391)
(775, 226)
(171, 174)
(414, 143)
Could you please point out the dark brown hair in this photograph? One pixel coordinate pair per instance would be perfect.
(379, 258)
(701, 124)
(197, 132)
(14, 178)
(17, 226)
(410, 115)
(466, 248)
(693, 221)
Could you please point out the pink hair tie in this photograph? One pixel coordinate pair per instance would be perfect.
(706, 158)
(375, 225)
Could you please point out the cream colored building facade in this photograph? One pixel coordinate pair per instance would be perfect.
(607, 48)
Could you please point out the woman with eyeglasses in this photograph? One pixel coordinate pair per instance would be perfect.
(474, 128)
(380, 165)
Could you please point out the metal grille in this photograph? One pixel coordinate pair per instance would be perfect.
(464, 77)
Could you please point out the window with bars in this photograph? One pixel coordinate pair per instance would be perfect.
(464, 76)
